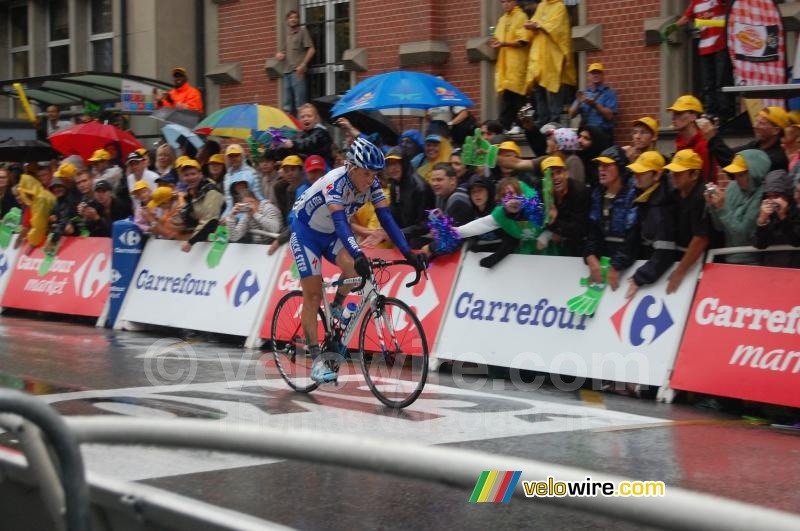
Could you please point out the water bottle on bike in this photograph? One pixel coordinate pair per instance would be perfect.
(347, 313)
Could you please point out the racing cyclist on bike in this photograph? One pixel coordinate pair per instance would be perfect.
(321, 228)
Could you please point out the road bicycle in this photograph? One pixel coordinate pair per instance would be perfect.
(392, 348)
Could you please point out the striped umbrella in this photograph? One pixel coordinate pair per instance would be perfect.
(245, 121)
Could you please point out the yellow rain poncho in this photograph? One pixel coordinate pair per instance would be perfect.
(34, 196)
(445, 150)
(550, 62)
(511, 62)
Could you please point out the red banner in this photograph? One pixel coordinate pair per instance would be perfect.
(77, 282)
(743, 335)
(428, 298)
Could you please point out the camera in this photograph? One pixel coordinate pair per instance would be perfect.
(775, 205)
(711, 188)
(243, 207)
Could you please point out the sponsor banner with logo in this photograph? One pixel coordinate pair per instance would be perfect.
(754, 329)
(428, 298)
(515, 315)
(127, 244)
(77, 282)
(8, 258)
(177, 289)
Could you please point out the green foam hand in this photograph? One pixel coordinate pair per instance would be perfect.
(9, 225)
(50, 250)
(587, 302)
(477, 151)
(219, 241)
(547, 194)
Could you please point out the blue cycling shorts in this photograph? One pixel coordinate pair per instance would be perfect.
(309, 247)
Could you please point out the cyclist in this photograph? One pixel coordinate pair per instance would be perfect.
(321, 228)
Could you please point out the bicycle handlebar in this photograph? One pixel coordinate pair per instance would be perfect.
(379, 263)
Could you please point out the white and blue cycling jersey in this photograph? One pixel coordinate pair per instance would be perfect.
(334, 188)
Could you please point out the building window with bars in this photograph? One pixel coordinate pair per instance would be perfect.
(328, 22)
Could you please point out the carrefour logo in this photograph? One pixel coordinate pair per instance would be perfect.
(3, 264)
(131, 238)
(640, 320)
(92, 276)
(242, 288)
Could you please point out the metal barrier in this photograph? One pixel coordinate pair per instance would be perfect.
(678, 509)
(713, 253)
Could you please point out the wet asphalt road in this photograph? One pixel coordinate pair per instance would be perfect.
(82, 370)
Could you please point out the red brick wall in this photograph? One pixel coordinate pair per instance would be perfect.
(247, 36)
(632, 69)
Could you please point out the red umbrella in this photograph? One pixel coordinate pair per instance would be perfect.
(84, 139)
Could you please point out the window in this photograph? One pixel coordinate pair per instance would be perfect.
(101, 43)
(18, 50)
(328, 22)
(58, 36)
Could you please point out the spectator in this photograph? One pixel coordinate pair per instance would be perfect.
(597, 105)
(791, 146)
(238, 170)
(437, 150)
(137, 166)
(250, 217)
(104, 170)
(551, 63)
(685, 112)
(7, 199)
(536, 139)
(563, 143)
(315, 168)
(413, 145)
(449, 198)
(569, 217)
(208, 150)
(53, 122)
(313, 140)
(734, 210)
(45, 175)
(611, 218)
(142, 195)
(591, 142)
(97, 214)
(482, 194)
(463, 172)
(492, 131)
(715, 65)
(216, 170)
(693, 229)
(644, 137)
(203, 204)
(409, 196)
(298, 49)
(268, 173)
(183, 96)
(63, 211)
(518, 232)
(778, 221)
(768, 129)
(290, 186)
(84, 186)
(165, 160)
(164, 213)
(510, 39)
(511, 165)
(37, 203)
(653, 236)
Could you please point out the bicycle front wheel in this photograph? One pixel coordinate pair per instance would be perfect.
(289, 342)
(394, 353)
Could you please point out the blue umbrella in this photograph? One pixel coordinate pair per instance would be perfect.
(400, 89)
(173, 132)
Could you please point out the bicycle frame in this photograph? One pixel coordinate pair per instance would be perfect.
(370, 295)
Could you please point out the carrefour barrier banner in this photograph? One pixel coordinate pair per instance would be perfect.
(8, 258)
(515, 315)
(127, 243)
(177, 289)
(428, 298)
(77, 282)
(743, 335)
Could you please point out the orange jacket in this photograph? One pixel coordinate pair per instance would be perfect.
(184, 97)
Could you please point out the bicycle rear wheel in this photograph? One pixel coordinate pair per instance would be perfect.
(394, 353)
(289, 342)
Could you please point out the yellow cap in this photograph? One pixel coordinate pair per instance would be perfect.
(687, 102)
(100, 154)
(66, 170)
(685, 159)
(604, 160)
(292, 160)
(161, 195)
(510, 145)
(234, 149)
(648, 161)
(777, 116)
(216, 159)
(141, 184)
(650, 123)
(553, 162)
(141, 151)
(794, 117)
(596, 66)
(393, 156)
(188, 163)
(737, 166)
